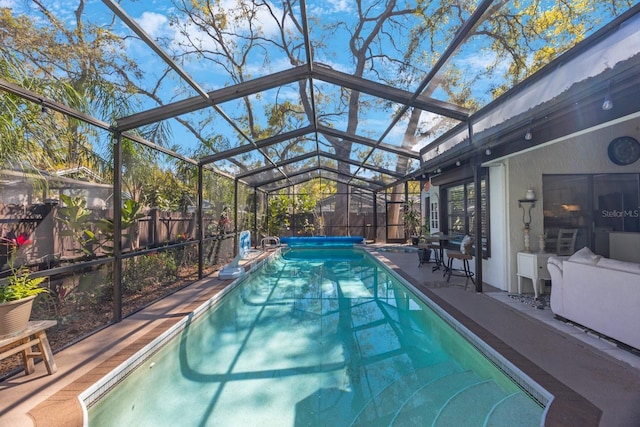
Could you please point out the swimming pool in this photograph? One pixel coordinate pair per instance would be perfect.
(315, 337)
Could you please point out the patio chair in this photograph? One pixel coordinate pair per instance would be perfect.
(464, 254)
(565, 245)
(434, 244)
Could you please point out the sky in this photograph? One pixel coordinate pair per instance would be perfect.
(160, 20)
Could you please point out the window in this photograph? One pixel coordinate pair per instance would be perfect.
(594, 204)
(434, 215)
(458, 209)
(460, 215)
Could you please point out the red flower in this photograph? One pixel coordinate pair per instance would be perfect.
(22, 239)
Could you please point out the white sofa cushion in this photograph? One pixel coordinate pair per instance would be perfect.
(603, 299)
(556, 261)
(614, 264)
(585, 256)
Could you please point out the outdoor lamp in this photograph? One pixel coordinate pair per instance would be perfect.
(526, 205)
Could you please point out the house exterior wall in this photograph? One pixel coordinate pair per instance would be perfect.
(494, 269)
(585, 152)
(510, 178)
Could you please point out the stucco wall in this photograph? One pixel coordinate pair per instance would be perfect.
(584, 153)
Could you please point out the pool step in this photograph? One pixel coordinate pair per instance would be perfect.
(426, 403)
(440, 380)
(381, 409)
(471, 405)
(466, 399)
(517, 406)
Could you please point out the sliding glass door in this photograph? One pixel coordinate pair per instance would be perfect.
(594, 204)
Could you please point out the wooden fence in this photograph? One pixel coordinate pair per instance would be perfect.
(47, 246)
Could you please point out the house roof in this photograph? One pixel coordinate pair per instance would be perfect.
(276, 94)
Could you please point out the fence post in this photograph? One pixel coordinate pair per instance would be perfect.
(152, 231)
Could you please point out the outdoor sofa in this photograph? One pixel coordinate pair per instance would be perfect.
(599, 293)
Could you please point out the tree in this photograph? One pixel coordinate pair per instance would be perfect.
(231, 37)
(71, 66)
(279, 214)
(30, 136)
(240, 31)
(81, 64)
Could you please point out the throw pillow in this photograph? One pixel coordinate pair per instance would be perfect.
(585, 256)
(465, 245)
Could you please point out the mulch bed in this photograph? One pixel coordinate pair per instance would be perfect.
(81, 321)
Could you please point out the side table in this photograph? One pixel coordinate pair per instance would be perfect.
(533, 266)
(23, 343)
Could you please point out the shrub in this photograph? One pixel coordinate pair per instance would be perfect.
(154, 269)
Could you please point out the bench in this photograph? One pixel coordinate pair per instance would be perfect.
(24, 342)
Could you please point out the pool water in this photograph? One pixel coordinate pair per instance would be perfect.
(317, 337)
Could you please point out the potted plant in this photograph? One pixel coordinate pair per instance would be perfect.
(411, 217)
(17, 291)
(425, 231)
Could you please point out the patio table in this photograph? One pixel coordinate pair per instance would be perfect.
(442, 240)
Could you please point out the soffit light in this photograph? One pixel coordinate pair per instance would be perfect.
(528, 136)
(608, 103)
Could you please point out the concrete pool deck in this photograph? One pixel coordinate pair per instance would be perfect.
(593, 382)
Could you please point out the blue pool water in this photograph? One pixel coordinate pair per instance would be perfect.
(317, 337)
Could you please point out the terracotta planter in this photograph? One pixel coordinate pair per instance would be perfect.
(14, 316)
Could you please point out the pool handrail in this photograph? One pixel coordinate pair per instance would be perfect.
(269, 242)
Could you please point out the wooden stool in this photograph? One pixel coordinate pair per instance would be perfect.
(437, 255)
(24, 342)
